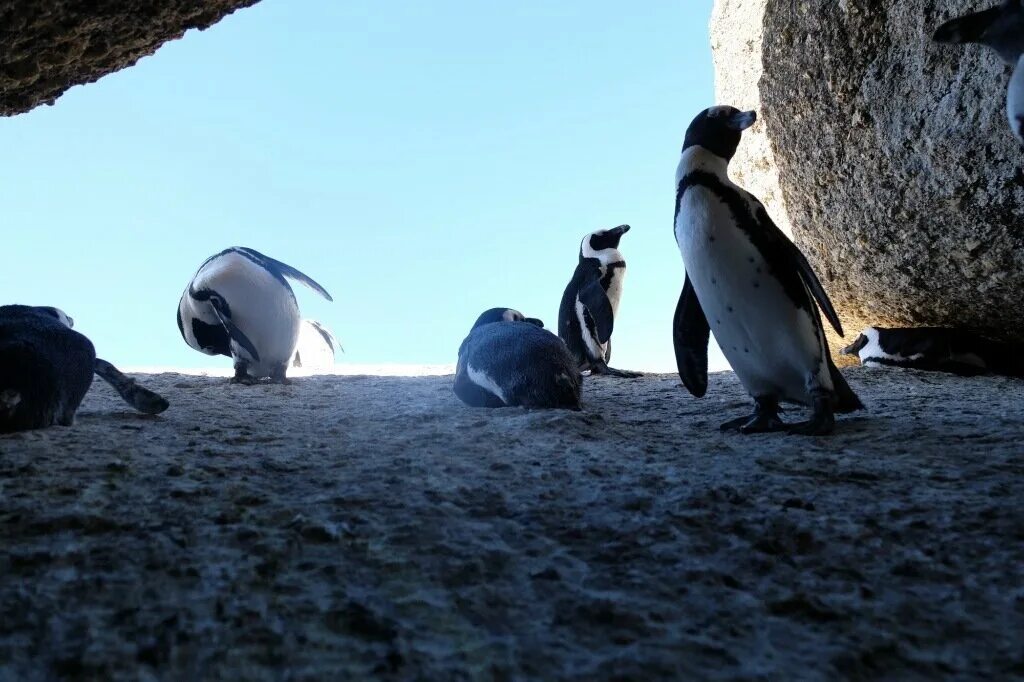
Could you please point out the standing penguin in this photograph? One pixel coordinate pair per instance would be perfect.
(315, 347)
(46, 368)
(1002, 29)
(239, 304)
(586, 315)
(754, 287)
(508, 359)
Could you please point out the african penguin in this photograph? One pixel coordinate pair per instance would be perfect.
(590, 302)
(315, 347)
(239, 304)
(937, 349)
(1002, 29)
(508, 359)
(749, 284)
(46, 369)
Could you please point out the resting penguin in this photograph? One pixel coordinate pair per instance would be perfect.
(509, 359)
(315, 347)
(1002, 29)
(749, 284)
(46, 369)
(586, 315)
(239, 304)
(937, 349)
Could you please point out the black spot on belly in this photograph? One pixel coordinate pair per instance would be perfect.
(757, 285)
(714, 281)
(718, 322)
(751, 259)
(729, 308)
(758, 270)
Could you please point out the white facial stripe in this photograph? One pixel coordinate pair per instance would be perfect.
(64, 318)
(481, 379)
(716, 112)
(512, 316)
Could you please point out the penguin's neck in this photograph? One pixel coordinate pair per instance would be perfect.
(698, 158)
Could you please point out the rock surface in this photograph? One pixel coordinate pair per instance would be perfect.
(376, 528)
(47, 47)
(897, 174)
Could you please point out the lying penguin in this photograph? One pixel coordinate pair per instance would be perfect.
(315, 347)
(239, 304)
(752, 286)
(586, 316)
(1002, 29)
(46, 369)
(509, 360)
(937, 349)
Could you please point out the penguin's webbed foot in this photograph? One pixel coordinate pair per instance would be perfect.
(602, 368)
(764, 420)
(822, 421)
(242, 375)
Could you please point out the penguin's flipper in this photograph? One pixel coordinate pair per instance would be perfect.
(288, 271)
(593, 296)
(142, 399)
(800, 264)
(966, 29)
(328, 337)
(690, 335)
(236, 334)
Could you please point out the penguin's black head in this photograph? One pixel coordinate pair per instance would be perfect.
(1000, 27)
(718, 130)
(57, 314)
(595, 242)
(505, 315)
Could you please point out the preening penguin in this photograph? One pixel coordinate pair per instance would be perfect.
(46, 368)
(315, 347)
(586, 316)
(937, 349)
(508, 359)
(752, 286)
(239, 304)
(1002, 29)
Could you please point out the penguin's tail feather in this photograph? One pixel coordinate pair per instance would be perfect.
(142, 399)
(846, 399)
(9, 399)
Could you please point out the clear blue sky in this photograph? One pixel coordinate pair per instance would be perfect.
(422, 161)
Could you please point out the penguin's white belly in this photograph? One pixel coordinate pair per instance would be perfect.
(261, 306)
(1015, 100)
(771, 344)
(614, 294)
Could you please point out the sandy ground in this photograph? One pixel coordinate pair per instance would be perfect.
(357, 527)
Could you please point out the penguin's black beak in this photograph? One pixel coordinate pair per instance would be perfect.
(620, 230)
(855, 347)
(742, 120)
(534, 321)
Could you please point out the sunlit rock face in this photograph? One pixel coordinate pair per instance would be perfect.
(47, 47)
(885, 155)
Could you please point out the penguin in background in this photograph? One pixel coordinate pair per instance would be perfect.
(239, 304)
(751, 285)
(315, 346)
(586, 316)
(1000, 28)
(509, 359)
(937, 349)
(46, 368)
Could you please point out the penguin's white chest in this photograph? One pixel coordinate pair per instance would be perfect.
(614, 290)
(772, 345)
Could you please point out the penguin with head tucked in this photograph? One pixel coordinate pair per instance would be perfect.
(511, 360)
(239, 304)
(1000, 28)
(751, 285)
(937, 349)
(586, 316)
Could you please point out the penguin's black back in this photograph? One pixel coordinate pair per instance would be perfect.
(46, 368)
(569, 329)
(531, 365)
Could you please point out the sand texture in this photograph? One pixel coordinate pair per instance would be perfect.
(374, 527)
